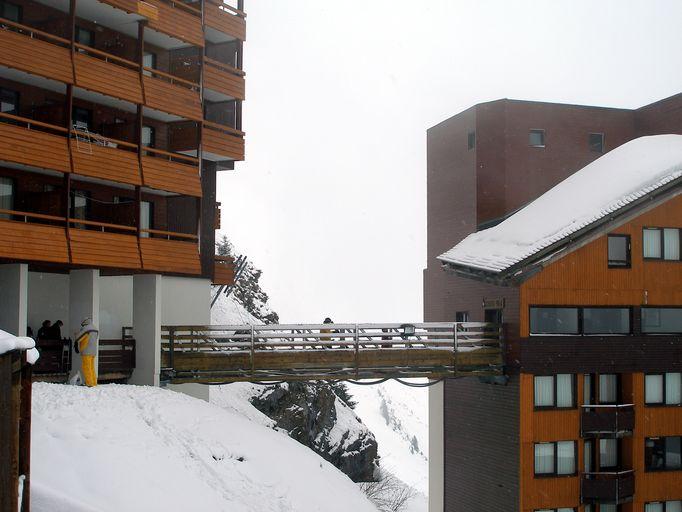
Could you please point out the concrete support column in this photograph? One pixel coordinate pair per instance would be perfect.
(14, 298)
(147, 329)
(436, 448)
(83, 303)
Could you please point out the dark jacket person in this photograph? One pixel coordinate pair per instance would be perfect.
(44, 331)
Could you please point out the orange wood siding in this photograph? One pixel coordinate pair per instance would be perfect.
(105, 163)
(171, 176)
(540, 426)
(177, 22)
(96, 75)
(35, 56)
(223, 273)
(33, 147)
(583, 277)
(170, 256)
(33, 242)
(104, 249)
(230, 147)
(131, 6)
(223, 81)
(174, 99)
(224, 22)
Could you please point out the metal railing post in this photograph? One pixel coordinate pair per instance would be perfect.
(456, 347)
(253, 358)
(357, 340)
(171, 347)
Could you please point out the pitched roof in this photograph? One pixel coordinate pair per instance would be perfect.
(598, 190)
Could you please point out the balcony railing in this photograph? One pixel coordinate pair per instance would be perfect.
(607, 419)
(608, 487)
(115, 359)
(225, 18)
(224, 79)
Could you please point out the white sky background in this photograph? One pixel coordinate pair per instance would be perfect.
(331, 201)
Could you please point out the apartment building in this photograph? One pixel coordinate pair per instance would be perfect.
(116, 117)
(588, 417)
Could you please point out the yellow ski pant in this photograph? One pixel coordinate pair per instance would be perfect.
(88, 365)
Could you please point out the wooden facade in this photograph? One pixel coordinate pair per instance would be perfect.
(224, 79)
(222, 18)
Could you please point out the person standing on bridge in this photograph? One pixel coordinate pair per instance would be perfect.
(86, 344)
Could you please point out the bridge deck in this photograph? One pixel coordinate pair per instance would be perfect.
(232, 353)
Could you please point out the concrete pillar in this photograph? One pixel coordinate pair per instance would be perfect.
(436, 448)
(147, 329)
(83, 303)
(14, 298)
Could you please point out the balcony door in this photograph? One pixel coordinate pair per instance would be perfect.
(601, 389)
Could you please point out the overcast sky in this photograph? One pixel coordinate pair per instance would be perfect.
(331, 201)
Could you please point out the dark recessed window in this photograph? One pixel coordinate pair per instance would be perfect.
(84, 36)
(663, 389)
(556, 458)
(148, 136)
(10, 11)
(608, 389)
(6, 196)
(536, 138)
(661, 243)
(619, 251)
(462, 316)
(664, 506)
(554, 321)
(606, 320)
(661, 320)
(554, 390)
(608, 454)
(662, 453)
(9, 104)
(596, 142)
(471, 140)
(82, 118)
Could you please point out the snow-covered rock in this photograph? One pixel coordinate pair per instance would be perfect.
(131, 448)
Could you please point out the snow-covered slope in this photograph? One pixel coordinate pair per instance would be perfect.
(115, 448)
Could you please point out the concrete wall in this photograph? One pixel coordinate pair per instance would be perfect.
(185, 301)
(116, 305)
(14, 298)
(48, 299)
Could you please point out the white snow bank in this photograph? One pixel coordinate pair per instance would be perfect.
(9, 342)
(133, 448)
(228, 311)
(597, 190)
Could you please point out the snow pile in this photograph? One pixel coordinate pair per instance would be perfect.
(9, 342)
(133, 448)
(596, 191)
(228, 311)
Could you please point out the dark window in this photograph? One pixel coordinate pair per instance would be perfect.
(6, 196)
(561, 509)
(664, 506)
(146, 217)
(492, 316)
(662, 320)
(462, 316)
(661, 243)
(662, 453)
(536, 138)
(606, 320)
(557, 458)
(471, 140)
(619, 251)
(10, 11)
(80, 206)
(9, 104)
(554, 321)
(609, 388)
(82, 118)
(149, 136)
(85, 37)
(148, 61)
(663, 389)
(554, 391)
(596, 142)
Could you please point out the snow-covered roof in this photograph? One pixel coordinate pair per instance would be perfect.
(599, 189)
(9, 342)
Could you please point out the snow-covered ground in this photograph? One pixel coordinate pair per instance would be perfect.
(115, 448)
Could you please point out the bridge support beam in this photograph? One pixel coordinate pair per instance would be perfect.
(83, 303)
(14, 298)
(436, 448)
(147, 329)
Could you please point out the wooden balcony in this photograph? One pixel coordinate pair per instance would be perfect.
(130, 6)
(223, 271)
(99, 247)
(115, 360)
(35, 52)
(219, 142)
(95, 69)
(170, 255)
(224, 79)
(172, 172)
(29, 237)
(172, 94)
(608, 487)
(177, 19)
(615, 420)
(97, 157)
(225, 18)
(28, 143)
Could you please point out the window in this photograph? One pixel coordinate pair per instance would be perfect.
(462, 316)
(148, 136)
(606, 321)
(146, 217)
(556, 458)
(608, 388)
(662, 453)
(9, 101)
(661, 320)
(619, 251)
(661, 243)
(596, 142)
(82, 118)
(554, 390)
(6, 196)
(148, 61)
(608, 453)
(588, 396)
(10, 11)
(471, 140)
(554, 320)
(80, 206)
(536, 138)
(562, 509)
(85, 37)
(663, 389)
(664, 506)
(588, 460)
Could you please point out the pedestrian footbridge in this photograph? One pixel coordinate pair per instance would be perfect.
(267, 353)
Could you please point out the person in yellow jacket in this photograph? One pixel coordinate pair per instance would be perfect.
(86, 341)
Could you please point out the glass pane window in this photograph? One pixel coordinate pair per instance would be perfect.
(544, 391)
(564, 390)
(587, 459)
(565, 457)
(663, 453)
(606, 320)
(471, 140)
(10, 11)
(673, 506)
(536, 138)
(544, 458)
(608, 507)
(6, 196)
(554, 390)
(596, 142)
(84, 36)
(673, 388)
(554, 320)
(148, 61)
(654, 507)
(608, 388)
(653, 389)
(608, 453)
(9, 101)
(587, 389)
(662, 320)
(652, 242)
(671, 244)
(146, 217)
(673, 456)
(619, 251)
(148, 136)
